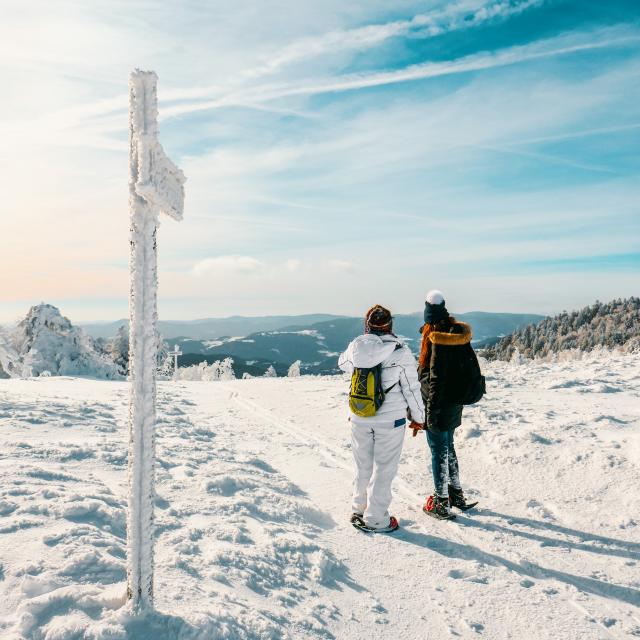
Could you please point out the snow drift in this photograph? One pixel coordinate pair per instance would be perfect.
(46, 343)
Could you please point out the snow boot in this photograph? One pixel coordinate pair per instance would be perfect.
(457, 499)
(392, 526)
(438, 507)
(356, 518)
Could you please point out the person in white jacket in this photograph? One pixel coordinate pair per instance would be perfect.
(376, 441)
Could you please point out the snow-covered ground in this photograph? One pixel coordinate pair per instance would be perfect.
(253, 502)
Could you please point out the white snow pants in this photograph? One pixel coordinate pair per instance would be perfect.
(376, 450)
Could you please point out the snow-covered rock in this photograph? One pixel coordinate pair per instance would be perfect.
(46, 341)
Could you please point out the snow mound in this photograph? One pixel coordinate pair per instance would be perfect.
(8, 355)
(46, 343)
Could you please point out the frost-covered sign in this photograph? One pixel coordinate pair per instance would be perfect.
(155, 185)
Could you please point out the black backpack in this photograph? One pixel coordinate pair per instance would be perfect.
(470, 384)
(473, 384)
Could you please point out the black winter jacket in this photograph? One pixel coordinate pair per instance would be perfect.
(438, 381)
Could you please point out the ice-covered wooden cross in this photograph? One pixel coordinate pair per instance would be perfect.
(175, 353)
(155, 186)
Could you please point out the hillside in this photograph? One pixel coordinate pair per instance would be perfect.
(317, 345)
(487, 325)
(211, 328)
(315, 340)
(610, 325)
(253, 503)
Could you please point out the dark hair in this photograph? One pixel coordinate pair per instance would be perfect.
(445, 323)
(378, 320)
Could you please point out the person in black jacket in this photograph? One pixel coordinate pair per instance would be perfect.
(445, 348)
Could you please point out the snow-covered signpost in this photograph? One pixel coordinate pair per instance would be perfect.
(155, 185)
(175, 353)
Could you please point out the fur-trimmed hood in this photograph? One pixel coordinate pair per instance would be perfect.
(460, 334)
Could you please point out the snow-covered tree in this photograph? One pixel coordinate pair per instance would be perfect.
(613, 325)
(47, 341)
(294, 370)
(164, 361)
(218, 370)
(165, 368)
(225, 370)
(118, 349)
(270, 372)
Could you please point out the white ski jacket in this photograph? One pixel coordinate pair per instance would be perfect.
(399, 369)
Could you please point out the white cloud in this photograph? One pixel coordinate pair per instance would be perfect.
(292, 265)
(342, 265)
(240, 265)
(456, 16)
(557, 46)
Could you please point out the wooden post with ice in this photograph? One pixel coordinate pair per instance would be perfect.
(155, 185)
(175, 353)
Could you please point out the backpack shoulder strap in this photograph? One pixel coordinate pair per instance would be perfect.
(399, 345)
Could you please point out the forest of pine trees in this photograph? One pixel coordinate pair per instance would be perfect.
(610, 325)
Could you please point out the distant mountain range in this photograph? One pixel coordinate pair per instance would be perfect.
(485, 324)
(210, 328)
(318, 344)
(46, 342)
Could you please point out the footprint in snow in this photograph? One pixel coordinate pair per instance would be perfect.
(7, 508)
(461, 574)
(228, 486)
(538, 439)
(260, 464)
(20, 523)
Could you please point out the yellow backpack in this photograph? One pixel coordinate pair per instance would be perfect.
(367, 394)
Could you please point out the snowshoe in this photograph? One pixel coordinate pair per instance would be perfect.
(392, 526)
(457, 499)
(438, 507)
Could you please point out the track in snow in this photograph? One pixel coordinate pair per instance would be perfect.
(488, 546)
(254, 482)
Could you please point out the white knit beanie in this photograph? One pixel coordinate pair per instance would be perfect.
(435, 297)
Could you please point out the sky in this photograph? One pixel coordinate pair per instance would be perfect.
(338, 154)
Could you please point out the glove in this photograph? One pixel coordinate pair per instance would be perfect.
(416, 426)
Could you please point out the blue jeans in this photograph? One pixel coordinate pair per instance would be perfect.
(444, 462)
